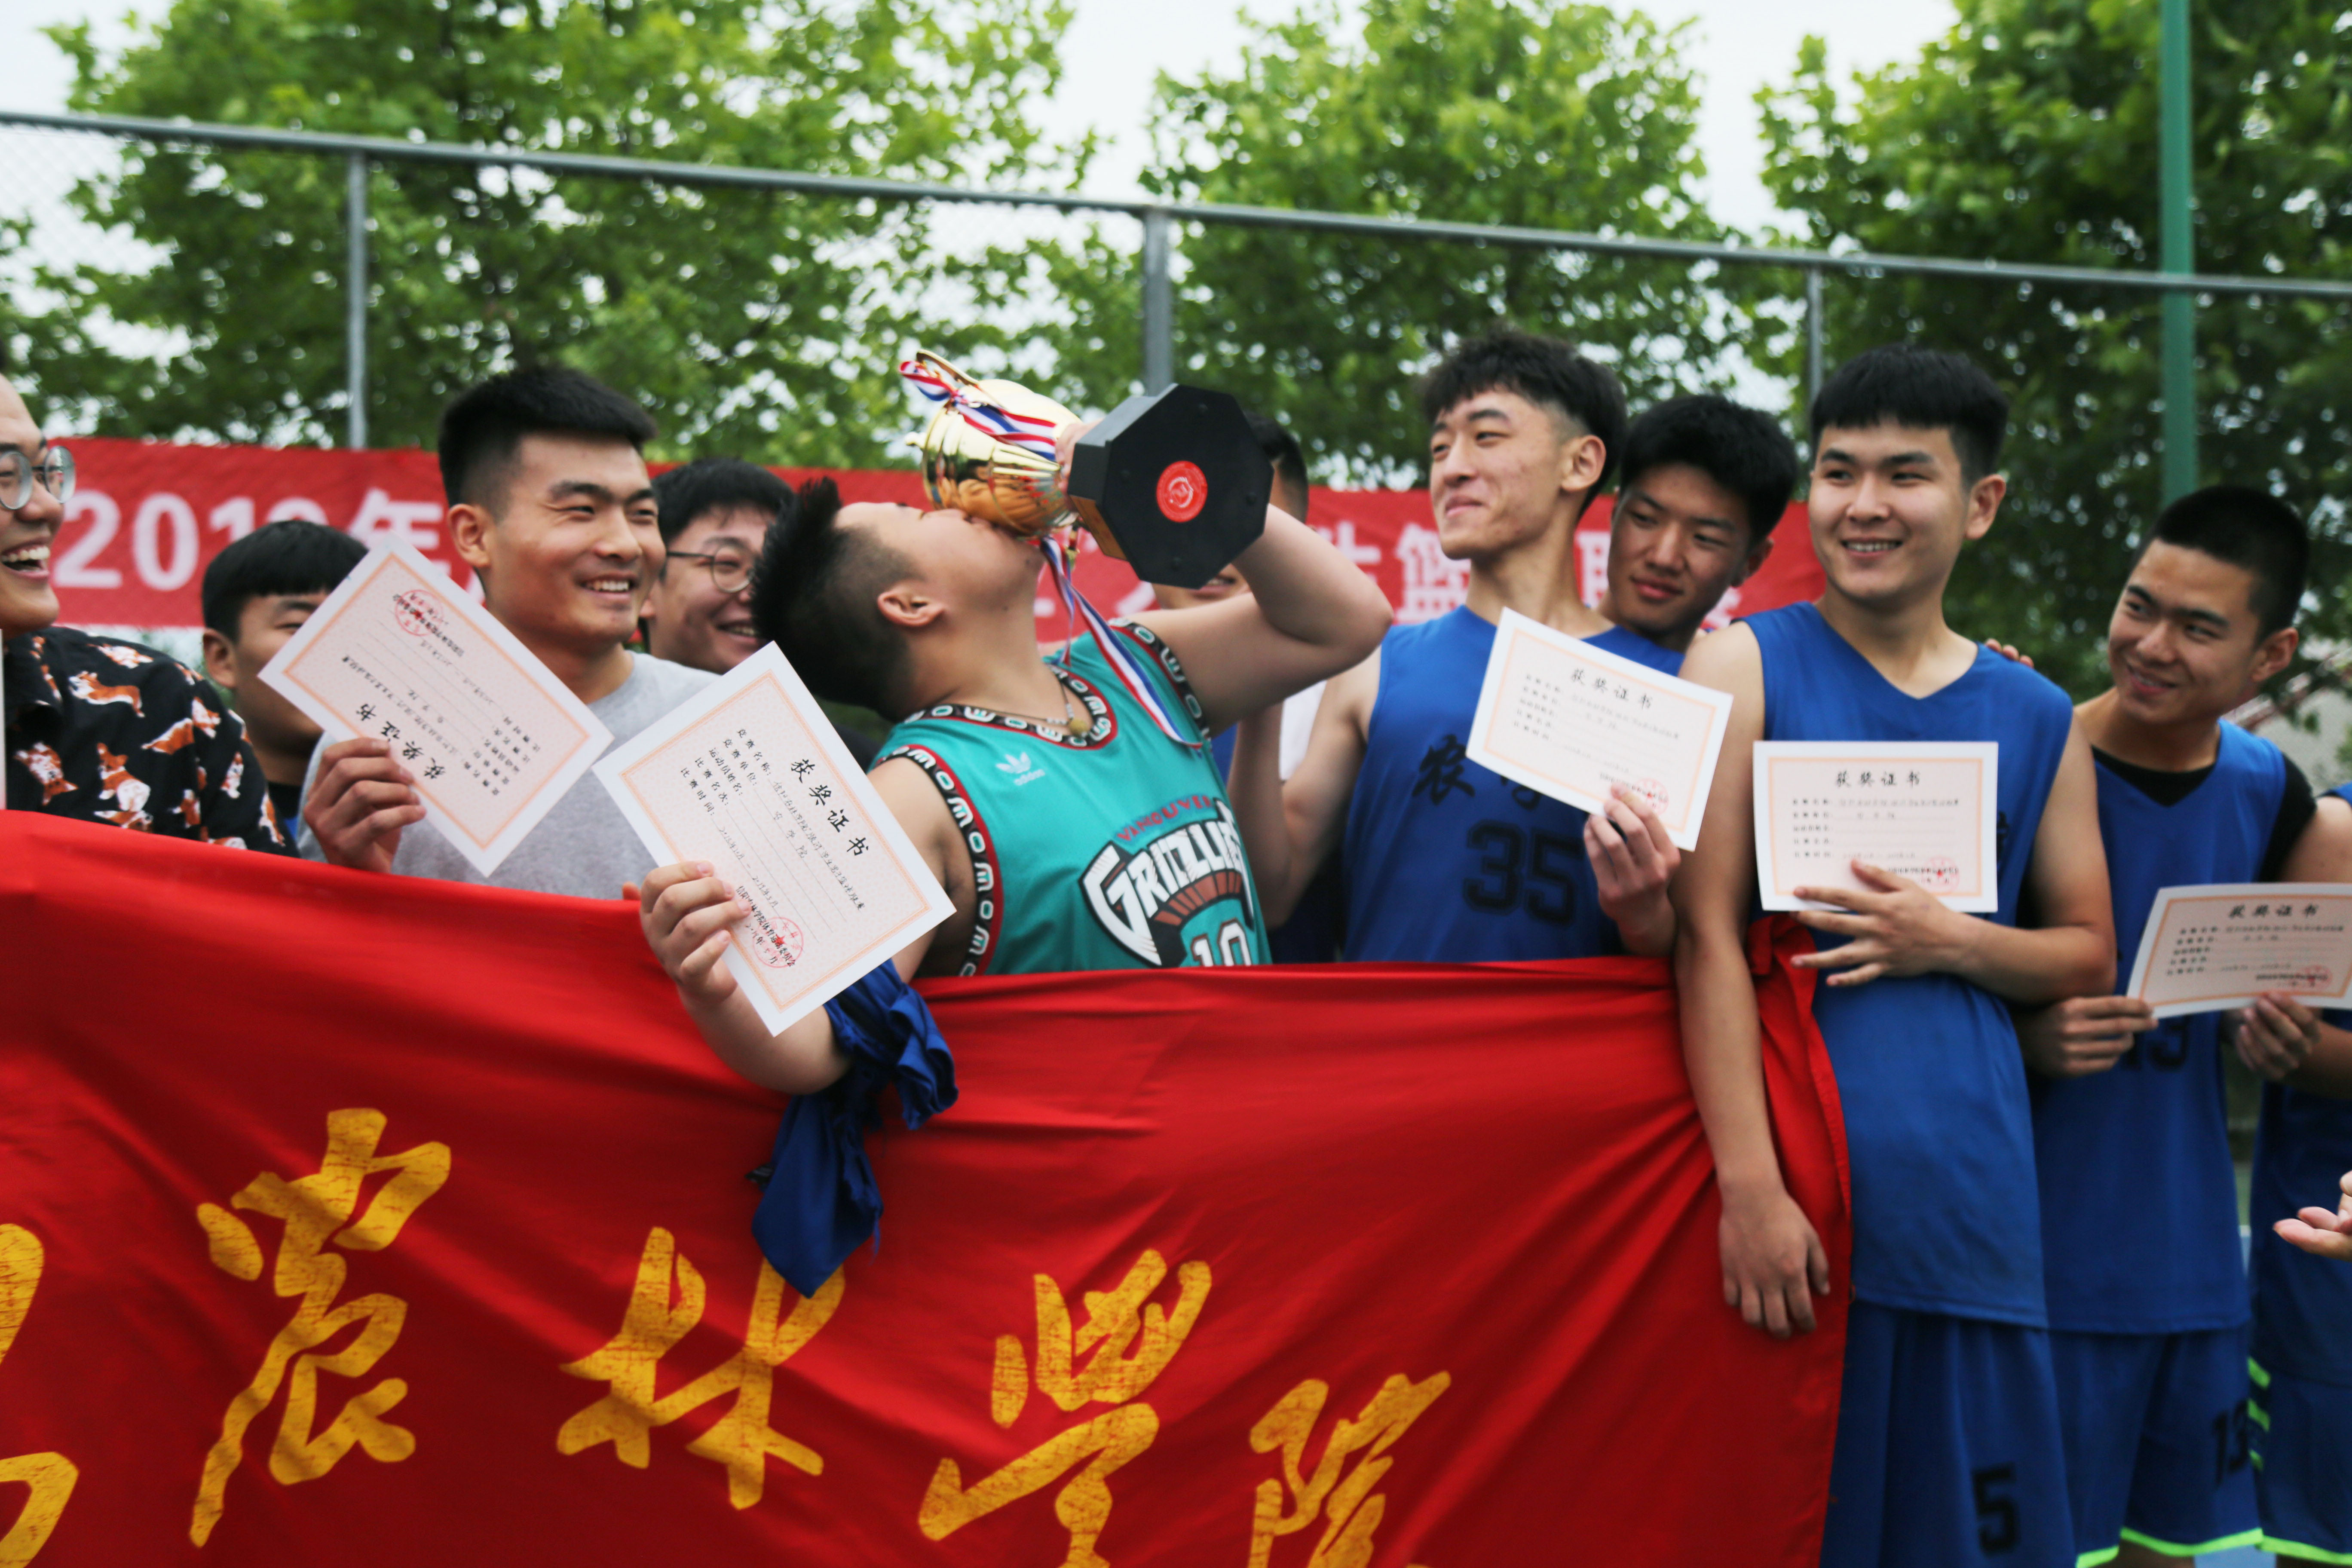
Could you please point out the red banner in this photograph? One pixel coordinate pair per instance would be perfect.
(348, 1220)
(147, 518)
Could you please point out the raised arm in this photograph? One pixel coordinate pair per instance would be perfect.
(1309, 615)
(1899, 928)
(1773, 1261)
(689, 915)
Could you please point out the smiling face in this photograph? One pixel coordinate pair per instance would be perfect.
(1677, 541)
(27, 602)
(1889, 508)
(688, 619)
(2186, 645)
(1504, 471)
(278, 728)
(571, 550)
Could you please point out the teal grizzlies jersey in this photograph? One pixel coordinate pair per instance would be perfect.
(1116, 850)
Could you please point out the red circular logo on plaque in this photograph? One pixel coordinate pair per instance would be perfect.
(1183, 492)
(777, 942)
(416, 612)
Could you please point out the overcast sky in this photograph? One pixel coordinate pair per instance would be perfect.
(1115, 47)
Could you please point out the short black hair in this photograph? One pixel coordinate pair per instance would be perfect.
(484, 426)
(2249, 529)
(1281, 448)
(292, 555)
(1743, 449)
(1921, 389)
(812, 596)
(717, 484)
(1545, 371)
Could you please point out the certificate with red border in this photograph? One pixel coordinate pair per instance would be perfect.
(2204, 949)
(401, 653)
(1925, 810)
(1576, 722)
(750, 776)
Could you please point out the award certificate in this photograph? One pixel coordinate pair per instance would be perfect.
(1925, 810)
(2204, 949)
(750, 776)
(1575, 722)
(399, 652)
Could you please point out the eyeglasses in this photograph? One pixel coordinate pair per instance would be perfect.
(729, 573)
(16, 475)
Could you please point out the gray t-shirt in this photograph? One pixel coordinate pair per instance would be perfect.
(584, 846)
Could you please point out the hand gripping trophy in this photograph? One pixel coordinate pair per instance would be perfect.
(1174, 483)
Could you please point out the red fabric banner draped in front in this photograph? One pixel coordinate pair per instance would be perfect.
(367, 1221)
(148, 516)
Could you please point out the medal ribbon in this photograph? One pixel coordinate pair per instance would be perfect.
(1031, 432)
(1125, 660)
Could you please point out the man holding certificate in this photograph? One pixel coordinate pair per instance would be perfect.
(551, 504)
(1447, 860)
(1967, 768)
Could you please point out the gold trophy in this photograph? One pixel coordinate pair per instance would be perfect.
(1173, 482)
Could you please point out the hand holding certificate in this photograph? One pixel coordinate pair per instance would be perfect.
(1925, 811)
(750, 778)
(1578, 722)
(2205, 948)
(490, 736)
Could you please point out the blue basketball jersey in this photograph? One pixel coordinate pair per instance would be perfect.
(2302, 1305)
(1447, 862)
(1939, 1130)
(2140, 1198)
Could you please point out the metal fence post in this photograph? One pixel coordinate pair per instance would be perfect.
(2178, 255)
(355, 301)
(1158, 304)
(1813, 334)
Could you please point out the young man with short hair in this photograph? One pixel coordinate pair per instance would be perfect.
(1447, 861)
(2149, 1318)
(258, 592)
(550, 503)
(1948, 1445)
(98, 728)
(1070, 831)
(1706, 481)
(715, 515)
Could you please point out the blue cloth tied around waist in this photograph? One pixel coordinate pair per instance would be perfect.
(821, 1203)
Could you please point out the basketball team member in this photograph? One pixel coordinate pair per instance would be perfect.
(2148, 1319)
(1706, 481)
(1069, 830)
(1445, 860)
(1947, 1444)
(2301, 1410)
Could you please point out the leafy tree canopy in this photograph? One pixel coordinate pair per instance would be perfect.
(768, 323)
(2028, 134)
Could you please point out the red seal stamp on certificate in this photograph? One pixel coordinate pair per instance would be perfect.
(1938, 872)
(416, 613)
(776, 940)
(1183, 492)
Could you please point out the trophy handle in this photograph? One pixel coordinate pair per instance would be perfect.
(969, 382)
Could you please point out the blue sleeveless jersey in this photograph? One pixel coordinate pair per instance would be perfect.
(2302, 1305)
(1939, 1132)
(2139, 1197)
(1446, 862)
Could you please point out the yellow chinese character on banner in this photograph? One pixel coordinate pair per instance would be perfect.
(742, 1440)
(1350, 1509)
(1127, 1346)
(317, 1211)
(51, 1476)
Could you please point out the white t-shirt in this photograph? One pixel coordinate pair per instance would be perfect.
(584, 846)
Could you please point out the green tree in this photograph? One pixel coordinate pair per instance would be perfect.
(769, 323)
(1535, 112)
(2028, 134)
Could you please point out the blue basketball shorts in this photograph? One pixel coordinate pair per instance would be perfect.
(1949, 1453)
(2157, 1441)
(2302, 1466)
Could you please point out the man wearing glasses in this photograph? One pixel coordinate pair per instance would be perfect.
(98, 729)
(715, 515)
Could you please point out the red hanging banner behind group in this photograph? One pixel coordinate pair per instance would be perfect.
(353, 1219)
